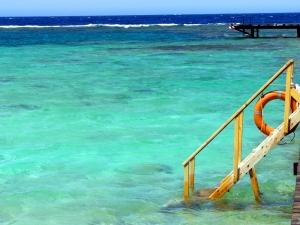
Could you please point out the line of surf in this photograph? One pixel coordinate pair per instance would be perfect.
(105, 25)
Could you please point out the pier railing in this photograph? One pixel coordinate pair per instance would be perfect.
(241, 167)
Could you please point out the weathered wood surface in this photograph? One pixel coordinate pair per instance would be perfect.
(296, 206)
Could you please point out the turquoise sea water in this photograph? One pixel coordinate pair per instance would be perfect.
(96, 122)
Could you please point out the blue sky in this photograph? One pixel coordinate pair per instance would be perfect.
(130, 7)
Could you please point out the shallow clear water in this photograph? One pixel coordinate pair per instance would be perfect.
(95, 124)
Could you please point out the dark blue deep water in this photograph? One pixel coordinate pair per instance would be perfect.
(156, 19)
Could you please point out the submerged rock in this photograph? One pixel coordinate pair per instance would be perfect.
(20, 107)
(173, 205)
(148, 169)
(7, 79)
(144, 90)
(198, 47)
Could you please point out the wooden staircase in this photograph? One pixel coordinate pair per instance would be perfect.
(247, 165)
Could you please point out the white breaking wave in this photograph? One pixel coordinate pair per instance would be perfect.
(193, 24)
(46, 26)
(167, 24)
(203, 24)
(126, 26)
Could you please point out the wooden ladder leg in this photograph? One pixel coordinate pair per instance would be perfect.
(186, 184)
(254, 184)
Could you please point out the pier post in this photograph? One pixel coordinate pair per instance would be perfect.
(252, 33)
(257, 33)
(298, 32)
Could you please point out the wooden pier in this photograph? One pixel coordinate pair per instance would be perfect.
(252, 30)
(296, 206)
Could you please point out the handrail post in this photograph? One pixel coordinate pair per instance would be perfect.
(192, 175)
(287, 105)
(186, 184)
(237, 152)
(189, 179)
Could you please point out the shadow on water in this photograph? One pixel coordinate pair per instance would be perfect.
(118, 98)
(217, 47)
(144, 90)
(147, 169)
(202, 203)
(40, 86)
(221, 205)
(262, 37)
(123, 49)
(19, 107)
(4, 80)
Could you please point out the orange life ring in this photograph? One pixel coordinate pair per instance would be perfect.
(258, 109)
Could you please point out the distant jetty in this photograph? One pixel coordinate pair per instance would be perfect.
(252, 30)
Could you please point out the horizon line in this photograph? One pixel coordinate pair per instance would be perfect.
(168, 14)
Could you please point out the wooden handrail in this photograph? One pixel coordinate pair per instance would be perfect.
(241, 109)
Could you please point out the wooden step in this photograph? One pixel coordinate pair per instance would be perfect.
(203, 194)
